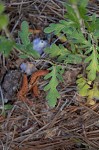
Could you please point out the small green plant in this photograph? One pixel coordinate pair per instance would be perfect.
(82, 34)
(6, 44)
(26, 46)
(80, 31)
(3, 17)
(5, 108)
(55, 76)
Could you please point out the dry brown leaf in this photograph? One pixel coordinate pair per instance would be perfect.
(33, 82)
(23, 91)
(32, 85)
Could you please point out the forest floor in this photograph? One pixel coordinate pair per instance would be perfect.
(71, 125)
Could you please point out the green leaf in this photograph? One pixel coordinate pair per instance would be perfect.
(93, 66)
(83, 3)
(1, 8)
(62, 54)
(8, 107)
(82, 8)
(24, 33)
(20, 47)
(84, 90)
(6, 46)
(73, 59)
(5, 108)
(94, 92)
(96, 34)
(3, 18)
(55, 50)
(71, 15)
(55, 75)
(82, 86)
(54, 28)
(23, 56)
(28, 50)
(3, 21)
(26, 47)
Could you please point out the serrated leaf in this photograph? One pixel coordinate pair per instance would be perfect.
(6, 46)
(88, 51)
(92, 74)
(84, 91)
(50, 29)
(20, 47)
(26, 47)
(87, 59)
(56, 28)
(73, 59)
(54, 75)
(72, 15)
(24, 33)
(57, 51)
(82, 86)
(28, 50)
(52, 97)
(93, 66)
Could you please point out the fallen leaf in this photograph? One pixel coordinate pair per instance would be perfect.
(36, 91)
(31, 86)
(24, 90)
(37, 74)
(33, 81)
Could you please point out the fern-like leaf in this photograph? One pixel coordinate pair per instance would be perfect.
(93, 66)
(24, 33)
(26, 47)
(82, 86)
(55, 75)
(63, 54)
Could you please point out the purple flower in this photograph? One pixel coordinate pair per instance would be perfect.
(39, 45)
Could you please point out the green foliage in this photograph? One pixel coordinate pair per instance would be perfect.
(93, 63)
(3, 17)
(63, 54)
(86, 88)
(82, 34)
(55, 76)
(5, 108)
(26, 47)
(6, 46)
(83, 85)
